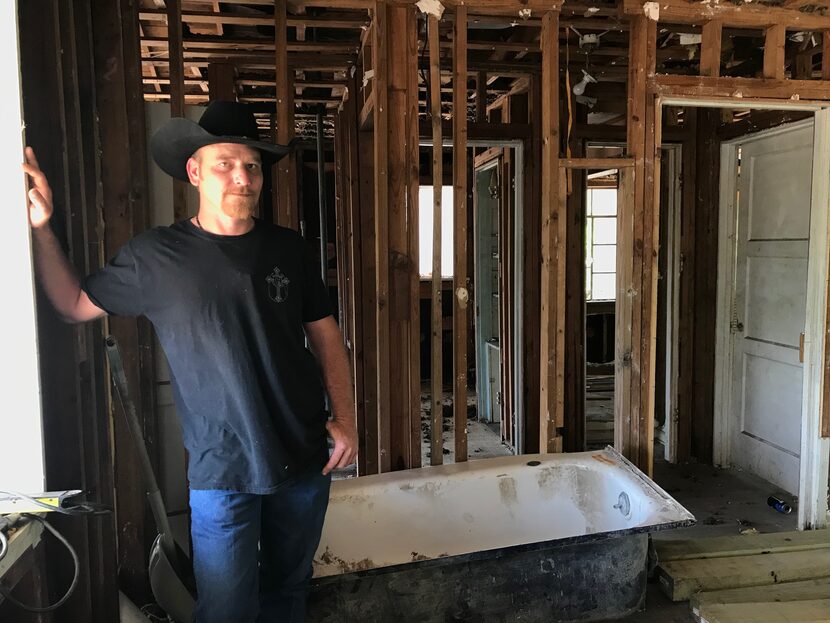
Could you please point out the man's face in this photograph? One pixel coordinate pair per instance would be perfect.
(229, 178)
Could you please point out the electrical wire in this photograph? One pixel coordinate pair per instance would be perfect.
(41, 609)
(87, 508)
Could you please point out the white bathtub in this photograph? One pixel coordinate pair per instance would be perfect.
(484, 510)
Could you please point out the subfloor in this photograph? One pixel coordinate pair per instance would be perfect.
(483, 438)
(724, 502)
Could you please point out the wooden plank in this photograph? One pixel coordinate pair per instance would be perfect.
(481, 95)
(737, 88)
(743, 15)
(327, 20)
(742, 545)
(596, 163)
(812, 611)
(176, 73)
(531, 286)
(710, 49)
(825, 55)
(774, 40)
(686, 324)
(409, 35)
(437, 386)
(552, 308)
(365, 146)
(680, 579)
(461, 286)
(707, 188)
(285, 181)
(221, 82)
(784, 592)
(622, 313)
(380, 52)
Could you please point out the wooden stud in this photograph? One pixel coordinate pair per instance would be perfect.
(285, 181)
(481, 96)
(710, 48)
(686, 323)
(413, 229)
(437, 393)
(221, 82)
(176, 73)
(553, 248)
(461, 286)
(825, 55)
(774, 44)
(637, 293)
(380, 51)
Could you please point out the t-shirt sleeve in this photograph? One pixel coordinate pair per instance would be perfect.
(116, 288)
(316, 302)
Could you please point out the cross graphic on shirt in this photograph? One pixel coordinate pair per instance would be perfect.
(277, 285)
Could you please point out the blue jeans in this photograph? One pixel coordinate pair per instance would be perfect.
(252, 554)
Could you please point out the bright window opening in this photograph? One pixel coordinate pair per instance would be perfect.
(601, 244)
(425, 209)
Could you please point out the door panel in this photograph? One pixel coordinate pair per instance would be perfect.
(769, 308)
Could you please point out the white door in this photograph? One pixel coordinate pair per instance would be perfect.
(772, 234)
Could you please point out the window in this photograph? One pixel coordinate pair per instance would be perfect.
(425, 209)
(601, 244)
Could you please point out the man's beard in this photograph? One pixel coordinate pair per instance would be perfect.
(240, 206)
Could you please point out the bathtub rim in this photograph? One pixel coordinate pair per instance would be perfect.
(685, 519)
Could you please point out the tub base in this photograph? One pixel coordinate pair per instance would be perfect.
(589, 580)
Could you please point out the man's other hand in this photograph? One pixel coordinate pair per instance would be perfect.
(344, 435)
(40, 196)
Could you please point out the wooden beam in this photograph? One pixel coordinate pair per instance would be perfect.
(710, 48)
(380, 52)
(461, 300)
(221, 82)
(825, 55)
(744, 15)
(176, 73)
(665, 85)
(637, 246)
(327, 20)
(207, 44)
(285, 185)
(775, 39)
(481, 96)
(596, 163)
(553, 249)
(437, 393)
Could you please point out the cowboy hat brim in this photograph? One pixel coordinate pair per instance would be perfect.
(178, 139)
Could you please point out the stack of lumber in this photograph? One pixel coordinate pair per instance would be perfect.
(757, 578)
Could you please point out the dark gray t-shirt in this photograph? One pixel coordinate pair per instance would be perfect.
(229, 313)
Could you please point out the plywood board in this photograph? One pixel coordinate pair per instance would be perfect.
(787, 591)
(742, 545)
(814, 611)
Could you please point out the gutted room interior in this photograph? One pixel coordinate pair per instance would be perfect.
(578, 252)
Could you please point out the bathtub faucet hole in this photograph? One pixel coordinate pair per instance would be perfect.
(623, 505)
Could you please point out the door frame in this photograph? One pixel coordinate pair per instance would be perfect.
(517, 145)
(672, 162)
(814, 461)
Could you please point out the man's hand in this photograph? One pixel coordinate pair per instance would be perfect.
(344, 435)
(40, 197)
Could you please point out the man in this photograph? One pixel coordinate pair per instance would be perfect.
(231, 299)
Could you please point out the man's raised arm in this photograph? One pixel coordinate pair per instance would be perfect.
(55, 273)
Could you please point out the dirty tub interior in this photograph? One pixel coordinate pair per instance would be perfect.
(546, 537)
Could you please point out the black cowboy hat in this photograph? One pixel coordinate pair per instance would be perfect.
(222, 122)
